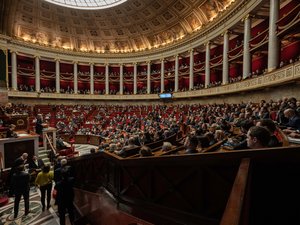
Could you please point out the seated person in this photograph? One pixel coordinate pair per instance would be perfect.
(270, 125)
(61, 144)
(258, 137)
(145, 151)
(294, 120)
(239, 142)
(131, 145)
(192, 145)
(167, 146)
(219, 135)
(11, 131)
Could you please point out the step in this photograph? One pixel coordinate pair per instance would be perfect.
(46, 160)
(44, 151)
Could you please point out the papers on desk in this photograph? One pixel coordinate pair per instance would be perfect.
(23, 135)
(294, 140)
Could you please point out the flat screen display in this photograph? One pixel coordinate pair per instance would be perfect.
(165, 95)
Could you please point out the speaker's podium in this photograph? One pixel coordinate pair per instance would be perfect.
(11, 148)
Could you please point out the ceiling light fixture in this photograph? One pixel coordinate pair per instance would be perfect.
(87, 4)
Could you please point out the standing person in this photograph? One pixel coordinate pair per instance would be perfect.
(39, 124)
(20, 161)
(65, 196)
(44, 181)
(21, 185)
(63, 166)
(35, 164)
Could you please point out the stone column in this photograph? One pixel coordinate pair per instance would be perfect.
(191, 78)
(176, 72)
(57, 75)
(273, 47)
(207, 64)
(121, 79)
(162, 76)
(225, 74)
(246, 50)
(75, 72)
(37, 74)
(148, 77)
(106, 79)
(14, 83)
(92, 78)
(135, 78)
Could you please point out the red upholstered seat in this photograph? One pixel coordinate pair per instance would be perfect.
(68, 152)
(3, 201)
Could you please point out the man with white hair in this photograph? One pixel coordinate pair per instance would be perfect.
(63, 166)
(21, 160)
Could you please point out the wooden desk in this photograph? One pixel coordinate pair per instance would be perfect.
(81, 139)
(11, 148)
(95, 140)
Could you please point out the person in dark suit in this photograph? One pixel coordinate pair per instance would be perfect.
(35, 165)
(65, 196)
(21, 185)
(63, 167)
(294, 119)
(20, 161)
(39, 125)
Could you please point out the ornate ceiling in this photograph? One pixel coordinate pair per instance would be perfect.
(135, 25)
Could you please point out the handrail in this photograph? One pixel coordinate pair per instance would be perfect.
(51, 146)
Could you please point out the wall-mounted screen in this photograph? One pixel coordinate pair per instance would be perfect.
(165, 95)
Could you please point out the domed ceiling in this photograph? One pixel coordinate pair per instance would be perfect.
(134, 25)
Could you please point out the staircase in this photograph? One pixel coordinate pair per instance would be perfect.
(43, 154)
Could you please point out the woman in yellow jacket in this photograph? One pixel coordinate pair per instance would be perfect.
(44, 181)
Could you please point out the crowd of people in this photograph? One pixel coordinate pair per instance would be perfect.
(210, 122)
(59, 179)
(197, 126)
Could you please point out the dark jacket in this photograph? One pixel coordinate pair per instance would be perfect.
(294, 122)
(65, 192)
(20, 182)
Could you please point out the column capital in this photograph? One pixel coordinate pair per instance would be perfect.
(207, 43)
(225, 32)
(57, 60)
(106, 64)
(135, 63)
(248, 16)
(37, 56)
(75, 62)
(148, 62)
(191, 50)
(121, 64)
(91, 63)
(13, 51)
